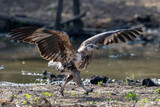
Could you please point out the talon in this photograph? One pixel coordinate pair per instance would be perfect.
(86, 93)
(62, 93)
(91, 90)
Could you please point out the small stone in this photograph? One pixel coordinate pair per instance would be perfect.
(148, 82)
(44, 72)
(96, 79)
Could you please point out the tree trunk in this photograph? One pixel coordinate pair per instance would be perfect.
(77, 24)
(58, 15)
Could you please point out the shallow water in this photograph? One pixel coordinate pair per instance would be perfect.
(132, 65)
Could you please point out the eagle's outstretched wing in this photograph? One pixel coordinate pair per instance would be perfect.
(110, 37)
(53, 45)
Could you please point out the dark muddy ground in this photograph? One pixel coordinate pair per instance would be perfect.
(110, 94)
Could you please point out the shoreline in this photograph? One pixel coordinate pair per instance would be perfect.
(118, 93)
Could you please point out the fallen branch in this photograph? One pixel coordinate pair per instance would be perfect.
(36, 22)
(25, 20)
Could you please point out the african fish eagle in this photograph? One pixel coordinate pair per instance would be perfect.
(56, 47)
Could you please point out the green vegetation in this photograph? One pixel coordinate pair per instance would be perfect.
(74, 93)
(24, 102)
(144, 100)
(100, 82)
(98, 93)
(131, 95)
(157, 91)
(83, 92)
(91, 102)
(47, 94)
(36, 99)
(28, 96)
(126, 81)
(110, 100)
(132, 76)
(109, 93)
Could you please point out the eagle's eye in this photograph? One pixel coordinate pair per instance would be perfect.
(91, 46)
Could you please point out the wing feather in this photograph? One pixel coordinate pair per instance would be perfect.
(115, 39)
(53, 45)
(110, 37)
(120, 37)
(126, 36)
(131, 34)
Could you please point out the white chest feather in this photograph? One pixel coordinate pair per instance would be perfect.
(56, 65)
(78, 60)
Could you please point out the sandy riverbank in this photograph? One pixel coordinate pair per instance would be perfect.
(110, 94)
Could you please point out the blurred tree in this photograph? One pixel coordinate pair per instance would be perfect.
(58, 15)
(77, 24)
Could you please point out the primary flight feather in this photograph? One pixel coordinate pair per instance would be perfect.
(56, 47)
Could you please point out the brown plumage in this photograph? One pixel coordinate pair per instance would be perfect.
(53, 45)
(56, 47)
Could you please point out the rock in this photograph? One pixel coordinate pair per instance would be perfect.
(60, 76)
(148, 82)
(138, 81)
(44, 72)
(44, 77)
(156, 81)
(129, 80)
(52, 76)
(86, 81)
(111, 81)
(96, 79)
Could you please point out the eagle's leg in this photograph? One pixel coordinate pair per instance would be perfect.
(77, 79)
(69, 78)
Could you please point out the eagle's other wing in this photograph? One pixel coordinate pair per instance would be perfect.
(110, 37)
(53, 45)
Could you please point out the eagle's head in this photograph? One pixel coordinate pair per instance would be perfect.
(92, 47)
(88, 48)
